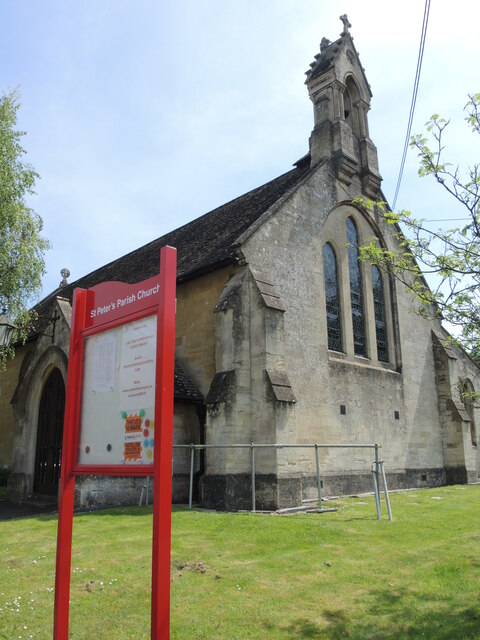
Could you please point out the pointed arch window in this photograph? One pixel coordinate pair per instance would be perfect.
(380, 319)
(332, 297)
(356, 298)
(350, 98)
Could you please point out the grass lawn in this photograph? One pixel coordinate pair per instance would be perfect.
(235, 576)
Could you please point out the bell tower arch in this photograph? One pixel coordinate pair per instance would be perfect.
(341, 95)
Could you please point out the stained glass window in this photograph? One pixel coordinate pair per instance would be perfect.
(358, 321)
(334, 324)
(380, 321)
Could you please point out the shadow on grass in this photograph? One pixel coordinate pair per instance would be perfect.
(300, 628)
(366, 518)
(107, 511)
(390, 617)
(117, 511)
(132, 510)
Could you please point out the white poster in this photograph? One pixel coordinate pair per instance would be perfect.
(137, 364)
(105, 350)
(118, 402)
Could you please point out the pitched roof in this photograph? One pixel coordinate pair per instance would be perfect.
(323, 60)
(203, 245)
(183, 388)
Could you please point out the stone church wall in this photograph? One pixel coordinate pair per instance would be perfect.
(8, 384)
(342, 397)
(240, 405)
(195, 325)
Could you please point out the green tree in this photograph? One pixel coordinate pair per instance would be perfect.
(21, 245)
(448, 259)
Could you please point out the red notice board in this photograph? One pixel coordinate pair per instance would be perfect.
(119, 414)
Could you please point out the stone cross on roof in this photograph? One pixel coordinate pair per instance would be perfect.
(346, 23)
(64, 273)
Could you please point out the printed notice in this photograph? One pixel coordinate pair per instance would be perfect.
(104, 357)
(137, 365)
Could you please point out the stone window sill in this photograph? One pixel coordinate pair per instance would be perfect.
(361, 362)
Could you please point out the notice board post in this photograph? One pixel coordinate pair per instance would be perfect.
(162, 478)
(119, 414)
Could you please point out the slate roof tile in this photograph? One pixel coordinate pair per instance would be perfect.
(183, 388)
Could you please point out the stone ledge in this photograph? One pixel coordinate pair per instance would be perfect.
(361, 363)
(281, 387)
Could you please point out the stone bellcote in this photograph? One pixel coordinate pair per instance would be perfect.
(341, 96)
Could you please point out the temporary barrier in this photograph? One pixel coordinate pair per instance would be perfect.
(377, 466)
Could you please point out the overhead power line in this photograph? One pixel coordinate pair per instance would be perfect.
(447, 219)
(414, 98)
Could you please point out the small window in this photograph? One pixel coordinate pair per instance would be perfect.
(380, 321)
(358, 320)
(334, 324)
(350, 98)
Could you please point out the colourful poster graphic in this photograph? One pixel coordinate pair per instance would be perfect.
(139, 436)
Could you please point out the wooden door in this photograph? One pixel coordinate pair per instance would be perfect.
(49, 436)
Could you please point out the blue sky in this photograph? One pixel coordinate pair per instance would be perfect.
(141, 116)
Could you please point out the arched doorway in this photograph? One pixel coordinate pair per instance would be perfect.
(49, 436)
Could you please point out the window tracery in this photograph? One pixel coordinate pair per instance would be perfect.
(332, 297)
(356, 297)
(380, 318)
(355, 289)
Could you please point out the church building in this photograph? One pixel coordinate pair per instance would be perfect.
(282, 337)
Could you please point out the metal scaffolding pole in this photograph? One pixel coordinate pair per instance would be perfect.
(319, 482)
(190, 490)
(253, 474)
